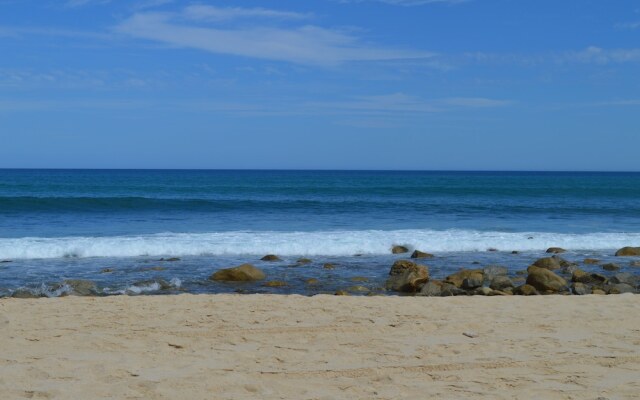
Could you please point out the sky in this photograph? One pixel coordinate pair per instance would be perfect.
(320, 84)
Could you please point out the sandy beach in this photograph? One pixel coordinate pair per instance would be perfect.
(322, 347)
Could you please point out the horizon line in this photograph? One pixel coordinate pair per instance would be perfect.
(310, 170)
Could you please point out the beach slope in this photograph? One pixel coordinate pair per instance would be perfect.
(322, 347)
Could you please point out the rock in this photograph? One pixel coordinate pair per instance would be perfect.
(515, 252)
(5, 261)
(544, 280)
(399, 249)
(548, 263)
(106, 270)
(242, 273)
(162, 284)
(172, 259)
(582, 277)
(619, 288)
(591, 261)
(342, 293)
(611, 267)
(472, 283)
(483, 291)
(580, 288)
(628, 251)
(312, 281)
(431, 288)
(623, 277)
(303, 261)
(329, 266)
(500, 293)
(501, 283)
(492, 249)
(275, 284)
(152, 269)
(634, 264)
(359, 279)
(556, 250)
(525, 290)
(570, 269)
(24, 294)
(598, 291)
(270, 257)
(421, 254)
(447, 289)
(459, 277)
(81, 287)
(492, 271)
(358, 289)
(407, 276)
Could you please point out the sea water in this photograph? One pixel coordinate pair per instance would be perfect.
(115, 226)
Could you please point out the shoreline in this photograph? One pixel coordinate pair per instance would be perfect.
(320, 347)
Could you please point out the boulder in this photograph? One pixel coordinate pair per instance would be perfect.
(628, 251)
(421, 254)
(556, 250)
(619, 288)
(303, 261)
(591, 261)
(242, 273)
(459, 277)
(501, 283)
(611, 267)
(328, 266)
(447, 289)
(525, 290)
(544, 280)
(472, 283)
(399, 249)
(548, 263)
(24, 294)
(598, 291)
(270, 257)
(483, 291)
(162, 284)
(407, 276)
(580, 288)
(623, 277)
(172, 259)
(81, 287)
(275, 284)
(492, 271)
(431, 288)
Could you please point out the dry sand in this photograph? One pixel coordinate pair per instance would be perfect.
(322, 347)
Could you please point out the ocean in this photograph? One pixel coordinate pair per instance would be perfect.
(118, 227)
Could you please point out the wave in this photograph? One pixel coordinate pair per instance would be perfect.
(325, 243)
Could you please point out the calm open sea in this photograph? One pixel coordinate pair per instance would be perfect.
(61, 224)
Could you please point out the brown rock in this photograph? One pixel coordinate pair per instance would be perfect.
(525, 290)
(458, 278)
(421, 254)
(328, 266)
(270, 257)
(275, 284)
(611, 267)
(548, 263)
(312, 281)
(242, 273)
(544, 280)
(556, 250)
(342, 293)
(628, 251)
(399, 249)
(407, 276)
(591, 261)
(598, 291)
(359, 279)
(303, 261)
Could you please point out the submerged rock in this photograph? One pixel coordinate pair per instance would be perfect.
(106, 270)
(172, 259)
(81, 287)
(358, 289)
(591, 261)
(270, 257)
(556, 250)
(329, 266)
(628, 251)
(544, 280)
(359, 279)
(399, 249)
(303, 261)
(312, 281)
(421, 254)
(162, 284)
(24, 294)
(634, 264)
(407, 276)
(611, 267)
(242, 273)
(275, 284)
(476, 275)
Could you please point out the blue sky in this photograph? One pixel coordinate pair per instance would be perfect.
(337, 84)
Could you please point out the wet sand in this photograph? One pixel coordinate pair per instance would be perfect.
(321, 347)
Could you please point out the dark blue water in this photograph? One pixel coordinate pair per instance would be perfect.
(58, 224)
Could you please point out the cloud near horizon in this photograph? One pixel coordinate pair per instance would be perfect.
(302, 44)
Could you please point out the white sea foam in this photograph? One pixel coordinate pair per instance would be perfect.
(329, 243)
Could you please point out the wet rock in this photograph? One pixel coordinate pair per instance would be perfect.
(5, 261)
(634, 264)
(580, 288)
(270, 257)
(619, 288)
(329, 266)
(312, 281)
(172, 259)
(242, 273)
(81, 287)
(548, 263)
(399, 249)
(624, 277)
(492, 249)
(162, 284)
(275, 284)
(106, 270)
(582, 277)
(152, 269)
(459, 277)
(483, 291)
(431, 288)
(472, 283)
(556, 250)
(570, 269)
(501, 283)
(492, 271)
(448, 289)
(598, 291)
(611, 267)
(407, 276)
(421, 254)
(358, 289)
(359, 279)
(515, 252)
(544, 280)
(341, 293)
(303, 261)
(526, 290)
(628, 251)
(591, 261)
(501, 293)
(24, 294)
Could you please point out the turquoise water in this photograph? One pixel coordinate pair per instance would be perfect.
(57, 224)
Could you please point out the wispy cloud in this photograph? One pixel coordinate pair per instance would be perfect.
(408, 3)
(211, 13)
(80, 3)
(303, 44)
(628, 25)
(590, 55)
